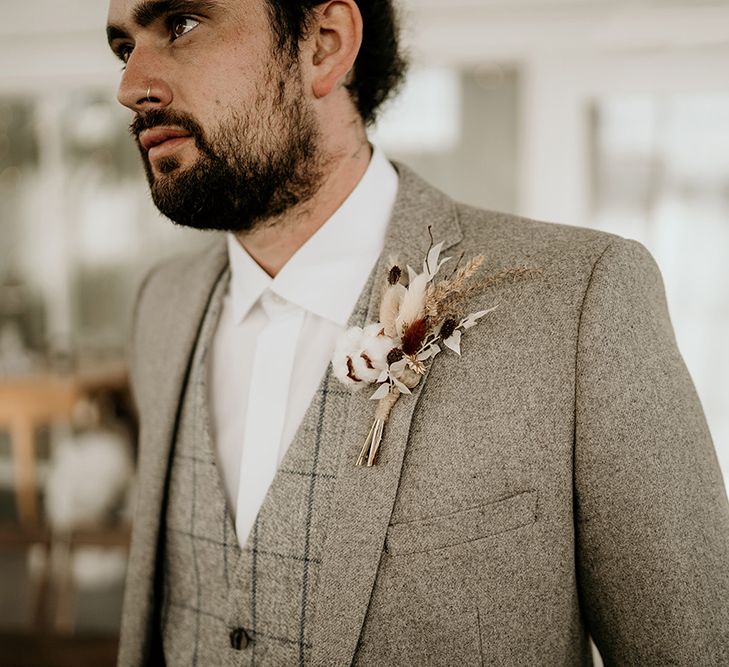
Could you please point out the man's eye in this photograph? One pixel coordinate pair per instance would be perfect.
(181, 25)
(124, 52)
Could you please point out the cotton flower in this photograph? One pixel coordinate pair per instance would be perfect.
(360, 355)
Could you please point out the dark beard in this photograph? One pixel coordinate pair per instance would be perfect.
(255, 167)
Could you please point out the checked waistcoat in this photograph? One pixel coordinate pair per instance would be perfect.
(212, 589)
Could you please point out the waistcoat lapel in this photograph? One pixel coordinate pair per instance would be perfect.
(363, 497)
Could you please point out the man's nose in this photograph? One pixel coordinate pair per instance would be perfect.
(142, 88)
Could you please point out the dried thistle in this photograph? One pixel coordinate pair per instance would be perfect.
(394, 276)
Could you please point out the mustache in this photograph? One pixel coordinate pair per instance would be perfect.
(157, 117)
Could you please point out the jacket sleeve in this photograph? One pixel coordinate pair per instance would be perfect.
(652, 518)
(133, 351)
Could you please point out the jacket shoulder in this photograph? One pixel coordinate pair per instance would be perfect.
(526, 234)
(568, 251)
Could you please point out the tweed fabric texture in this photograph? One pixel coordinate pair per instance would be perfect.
(557, 480)
(199, 582)
(210, 585)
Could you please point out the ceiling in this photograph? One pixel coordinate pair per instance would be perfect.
(49, 40)
(74, 16)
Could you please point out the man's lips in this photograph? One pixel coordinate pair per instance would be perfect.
(148, 139)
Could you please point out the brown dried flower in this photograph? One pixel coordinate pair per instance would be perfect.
(413, 336)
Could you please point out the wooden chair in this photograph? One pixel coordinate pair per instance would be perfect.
(26, 404)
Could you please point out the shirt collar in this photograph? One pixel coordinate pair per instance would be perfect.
(326, 275)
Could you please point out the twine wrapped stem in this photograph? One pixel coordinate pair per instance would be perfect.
(368, 454)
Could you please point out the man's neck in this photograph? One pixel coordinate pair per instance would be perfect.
(272, 245)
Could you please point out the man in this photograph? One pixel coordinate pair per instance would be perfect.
(556, 481)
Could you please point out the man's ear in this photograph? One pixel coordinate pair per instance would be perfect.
(336, 37)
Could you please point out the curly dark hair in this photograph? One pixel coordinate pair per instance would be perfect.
(380, 66)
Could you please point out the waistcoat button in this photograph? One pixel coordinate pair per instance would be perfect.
(239, 639)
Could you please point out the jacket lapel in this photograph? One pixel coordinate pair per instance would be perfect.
(364, 497)
(165, 340)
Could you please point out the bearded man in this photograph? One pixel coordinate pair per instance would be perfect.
(554, 482)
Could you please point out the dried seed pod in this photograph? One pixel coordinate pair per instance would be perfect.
(394, 276)
(449, 326)
(394, 356)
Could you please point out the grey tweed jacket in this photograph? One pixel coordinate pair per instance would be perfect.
(557, 479)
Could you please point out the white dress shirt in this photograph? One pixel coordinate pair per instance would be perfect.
(278, 335)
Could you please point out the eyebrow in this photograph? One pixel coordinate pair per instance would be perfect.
(148, 11)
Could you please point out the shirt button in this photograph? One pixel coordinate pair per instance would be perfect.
(239, 639)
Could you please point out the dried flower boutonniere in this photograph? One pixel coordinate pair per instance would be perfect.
(414, 321)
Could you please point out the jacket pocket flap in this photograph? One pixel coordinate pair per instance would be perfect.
(462, 526)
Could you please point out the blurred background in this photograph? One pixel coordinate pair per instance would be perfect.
(600, 113)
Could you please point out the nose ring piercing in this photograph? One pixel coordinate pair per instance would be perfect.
(149, 88)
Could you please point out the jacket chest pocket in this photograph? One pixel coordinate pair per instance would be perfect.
(464, 526)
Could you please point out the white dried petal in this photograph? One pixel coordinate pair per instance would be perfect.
(471, 320)
(399, 366)
(402, 388)
(432, 264)
(429, 352)
(453, 342)
(383, 391)
(431, 261)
